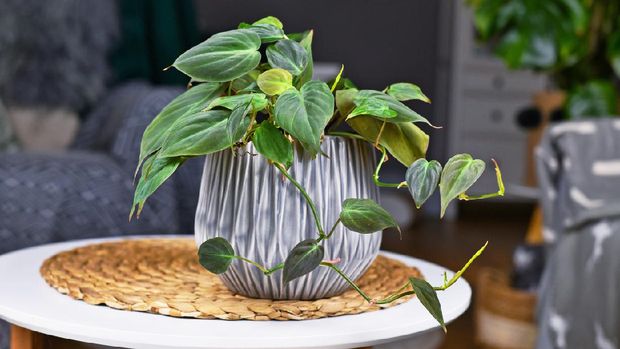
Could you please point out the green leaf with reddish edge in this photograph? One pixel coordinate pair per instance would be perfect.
(302, 259)
(365, 216)
(216, 255)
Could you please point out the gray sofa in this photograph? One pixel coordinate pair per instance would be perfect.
(87, 191)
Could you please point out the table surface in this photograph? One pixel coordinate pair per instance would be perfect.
(27, 301)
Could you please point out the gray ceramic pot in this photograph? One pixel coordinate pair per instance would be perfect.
(246, 200)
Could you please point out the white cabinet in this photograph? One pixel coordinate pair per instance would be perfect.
(482, 101)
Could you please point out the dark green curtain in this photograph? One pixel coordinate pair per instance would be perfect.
(154, 33)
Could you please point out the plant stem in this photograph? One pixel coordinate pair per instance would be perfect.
(274, 269)
(375, 176)
(263, 269)
(309, 201)
(349, 281)
(331, 231)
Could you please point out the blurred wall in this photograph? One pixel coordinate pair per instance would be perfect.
(379, 41)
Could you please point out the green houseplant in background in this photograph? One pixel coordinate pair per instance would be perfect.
(577, 42)
(252, 88)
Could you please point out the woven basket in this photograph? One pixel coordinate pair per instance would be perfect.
(504, 316)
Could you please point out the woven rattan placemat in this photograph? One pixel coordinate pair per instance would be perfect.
(163, 276)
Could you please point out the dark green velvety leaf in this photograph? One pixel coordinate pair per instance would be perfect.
(216, 255)
(459, 174)
(428, 297)
(270, 20)
(289, 55)
(422, 179)
(404, 141)
(302, 259)
(199, 134)
(404, 91)
(258, 101)
(304, 114)
(236, 124)
(365, 216)
(306, 43)
(222, 57)
(596, 98)
(159, 169)
(374, 107)
(403, 112)
(271, 143)
(191, 101)
(275, 81)
(267, 32)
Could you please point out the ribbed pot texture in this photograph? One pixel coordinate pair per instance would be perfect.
(247, 201)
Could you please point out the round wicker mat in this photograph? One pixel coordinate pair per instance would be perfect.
(163, 276)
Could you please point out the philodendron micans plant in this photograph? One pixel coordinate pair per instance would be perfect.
(254, 84)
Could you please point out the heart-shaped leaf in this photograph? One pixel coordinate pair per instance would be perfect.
(222, 57)
(428, 297)
(405, 141)
(275, 81)
(365, 216)
(304, 114)
(271, 143)
(422, 179)
(216, 255)
(258, 101)
(289, 55)
(403, 112)
(302, 259)
(267, 32)
(236, 124)
(459, 173)
(404, 91)
(189, 102)
(199, 134)
(159, 169)
(270, 20)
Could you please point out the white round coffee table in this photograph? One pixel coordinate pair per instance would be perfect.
(28, 302)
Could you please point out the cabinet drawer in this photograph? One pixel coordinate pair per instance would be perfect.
(494, 116)
(503, 81)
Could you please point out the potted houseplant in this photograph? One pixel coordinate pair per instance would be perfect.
(576, 42)
(288, 207)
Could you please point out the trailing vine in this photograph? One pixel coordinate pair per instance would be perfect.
(238, 96)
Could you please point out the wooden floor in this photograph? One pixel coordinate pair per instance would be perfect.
(451, 244)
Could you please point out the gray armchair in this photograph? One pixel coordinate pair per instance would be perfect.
(87, 191)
